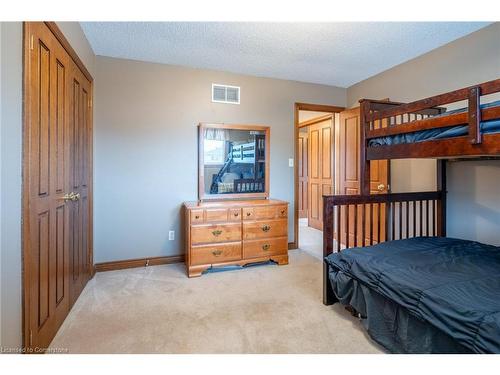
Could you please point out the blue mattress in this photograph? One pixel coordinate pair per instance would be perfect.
(451, 284)
(487, 127)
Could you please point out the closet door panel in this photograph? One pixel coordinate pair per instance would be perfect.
(56, 156)
(80, 159)
(46, 155)
(320, 179)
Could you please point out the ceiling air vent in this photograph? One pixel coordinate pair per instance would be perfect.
(225, 94)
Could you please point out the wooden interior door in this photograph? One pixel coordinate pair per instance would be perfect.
(349, 164)
(46, 155)
(49, 203)
(321, 176)
(79, 124)
(303, 179)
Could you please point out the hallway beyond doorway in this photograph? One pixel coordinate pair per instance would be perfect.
(311, 240)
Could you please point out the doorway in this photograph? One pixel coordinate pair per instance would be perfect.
(316, 142)
(327, 160)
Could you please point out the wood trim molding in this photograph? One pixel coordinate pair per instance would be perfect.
(67, 46)
(315, 120)
(135, 263)
(303, 107)
(319, 107)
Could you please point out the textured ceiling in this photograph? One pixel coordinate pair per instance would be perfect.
(338, 54)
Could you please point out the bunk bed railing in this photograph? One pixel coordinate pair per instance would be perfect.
(364, 220)
(399, 118)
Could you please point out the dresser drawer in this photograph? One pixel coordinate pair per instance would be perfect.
(265, 229)
(267, 247)
(215, 233)
(213, 254)
(215, 214)
(282, 212)
(264, 212)
(196, 216)
(234, 214)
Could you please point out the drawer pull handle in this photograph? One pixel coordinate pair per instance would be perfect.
(217, 233)
(217, 252)
(266, 247)
(249, 213)
(197, 217)
(283, 212)
(266, 228)
(236, 214)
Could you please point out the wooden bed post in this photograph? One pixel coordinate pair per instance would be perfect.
(328, 295)
(474, 115)
(441, 203)
(364, 178)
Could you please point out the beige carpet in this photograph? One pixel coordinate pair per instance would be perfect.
(260, 309)
(310, 239)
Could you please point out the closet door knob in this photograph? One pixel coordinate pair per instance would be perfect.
(266, 247)
(67, 197)
(71, 197)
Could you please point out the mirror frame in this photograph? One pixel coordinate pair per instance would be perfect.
(202, 196)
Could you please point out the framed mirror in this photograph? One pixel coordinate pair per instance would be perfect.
(233, 161)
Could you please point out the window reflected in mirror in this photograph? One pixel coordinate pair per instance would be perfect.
(234, 161)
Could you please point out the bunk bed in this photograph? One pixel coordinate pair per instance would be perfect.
(415, 290)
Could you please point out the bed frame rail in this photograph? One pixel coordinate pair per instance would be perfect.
(379, 118)
(390, 120)
(364, 220)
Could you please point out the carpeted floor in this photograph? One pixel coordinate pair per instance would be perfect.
(310, 239)
(259, 309)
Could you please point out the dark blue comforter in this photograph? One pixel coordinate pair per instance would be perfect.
(451, 284)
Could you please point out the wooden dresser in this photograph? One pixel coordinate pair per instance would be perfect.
(235, 233)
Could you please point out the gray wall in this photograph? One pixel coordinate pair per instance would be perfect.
(75, 36)
(474, 186)
(11, 153)
(1, 148)
(145, 159)
(11, 140)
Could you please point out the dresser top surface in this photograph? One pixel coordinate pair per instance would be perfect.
(234, 203)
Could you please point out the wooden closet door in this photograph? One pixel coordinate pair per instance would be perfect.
(46, 154)
(321, 179)
(57, 257)
(80, 133)
(303, 179)
(349, 155)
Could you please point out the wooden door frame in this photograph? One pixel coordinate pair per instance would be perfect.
(25, 230)
(297, 108)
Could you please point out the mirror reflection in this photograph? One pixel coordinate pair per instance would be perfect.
(234, 161)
